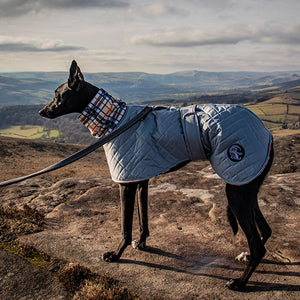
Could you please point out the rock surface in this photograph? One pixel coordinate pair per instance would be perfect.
(191, 248)
(23, 280)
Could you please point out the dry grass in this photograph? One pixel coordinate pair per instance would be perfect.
(79, 281)
(15, 222)
(91, 286)
(286, 132)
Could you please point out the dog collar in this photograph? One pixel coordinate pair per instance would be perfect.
(102, 114)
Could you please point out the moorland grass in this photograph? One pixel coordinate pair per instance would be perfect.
(79, 281)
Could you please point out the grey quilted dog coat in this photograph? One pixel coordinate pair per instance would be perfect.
(231, 137)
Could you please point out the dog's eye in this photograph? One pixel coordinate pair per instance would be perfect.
(58, 100)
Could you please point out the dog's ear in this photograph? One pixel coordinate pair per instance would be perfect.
(75, 77)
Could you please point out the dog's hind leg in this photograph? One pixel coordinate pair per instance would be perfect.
(252, 191)
(127, 196)
(242, 203)
(142, 203)
(262, 224)
(264, 229)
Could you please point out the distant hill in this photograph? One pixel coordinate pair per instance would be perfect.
(27, 88)
(290, 84)
(278, 109)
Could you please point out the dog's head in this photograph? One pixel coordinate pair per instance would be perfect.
(71, 96)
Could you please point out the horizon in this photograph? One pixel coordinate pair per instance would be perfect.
(183, 71)
(160, 37)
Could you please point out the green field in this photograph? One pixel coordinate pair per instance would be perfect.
(29, 132)
(277, 116)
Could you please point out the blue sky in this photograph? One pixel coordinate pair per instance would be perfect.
(150, 36)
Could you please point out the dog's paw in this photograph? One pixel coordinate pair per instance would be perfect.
(244, 257)
(235, 285)
(136, 244)
(109, 257)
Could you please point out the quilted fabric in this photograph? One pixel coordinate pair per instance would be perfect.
(231, 137)
(149, 148)
(234, 140)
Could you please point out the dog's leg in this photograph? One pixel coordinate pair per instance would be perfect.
(242, 204)
(263, 226)
(261, 222)
(142, 197)
(127, 196)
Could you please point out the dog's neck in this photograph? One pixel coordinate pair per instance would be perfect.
(87, 93)
(102, 114)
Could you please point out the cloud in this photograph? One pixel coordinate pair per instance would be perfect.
(215, 5)
(157, 9)
(9, 44)
(190, 38)
(13, 8)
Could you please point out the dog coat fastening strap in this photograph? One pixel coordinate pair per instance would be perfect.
(140, 116)
(192, 133)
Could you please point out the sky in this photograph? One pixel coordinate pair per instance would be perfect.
(150, 36)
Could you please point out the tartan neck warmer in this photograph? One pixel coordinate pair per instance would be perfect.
(102, 114)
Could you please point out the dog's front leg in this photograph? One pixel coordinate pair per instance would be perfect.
(142, 197)
(127, 197)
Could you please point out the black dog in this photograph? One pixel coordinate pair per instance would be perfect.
(76, 94)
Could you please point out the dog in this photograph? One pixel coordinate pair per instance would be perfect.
(75, 95)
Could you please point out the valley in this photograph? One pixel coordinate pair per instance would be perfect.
(279, 110)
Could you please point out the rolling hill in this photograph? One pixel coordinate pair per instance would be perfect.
(137, 87)
(278, 110)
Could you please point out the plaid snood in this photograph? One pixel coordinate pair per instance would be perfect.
(102, 114)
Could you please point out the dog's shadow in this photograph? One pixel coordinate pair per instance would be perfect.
(253, 286)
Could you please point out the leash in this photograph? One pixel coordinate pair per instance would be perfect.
(140, 116)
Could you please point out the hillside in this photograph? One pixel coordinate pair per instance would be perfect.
(191, 247)
(38, 87)
(278, 110)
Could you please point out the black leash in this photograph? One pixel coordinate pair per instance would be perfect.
(141, 115)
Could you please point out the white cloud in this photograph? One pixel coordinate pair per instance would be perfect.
(20, 44)
(14, 8)
(188, 37)
(153, 36)
(158, 9)
(155, 9)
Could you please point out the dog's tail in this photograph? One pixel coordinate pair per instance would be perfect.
(232, 220)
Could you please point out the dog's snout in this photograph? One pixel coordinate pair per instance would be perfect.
(44, 113)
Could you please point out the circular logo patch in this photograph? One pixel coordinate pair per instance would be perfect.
(236, 152)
